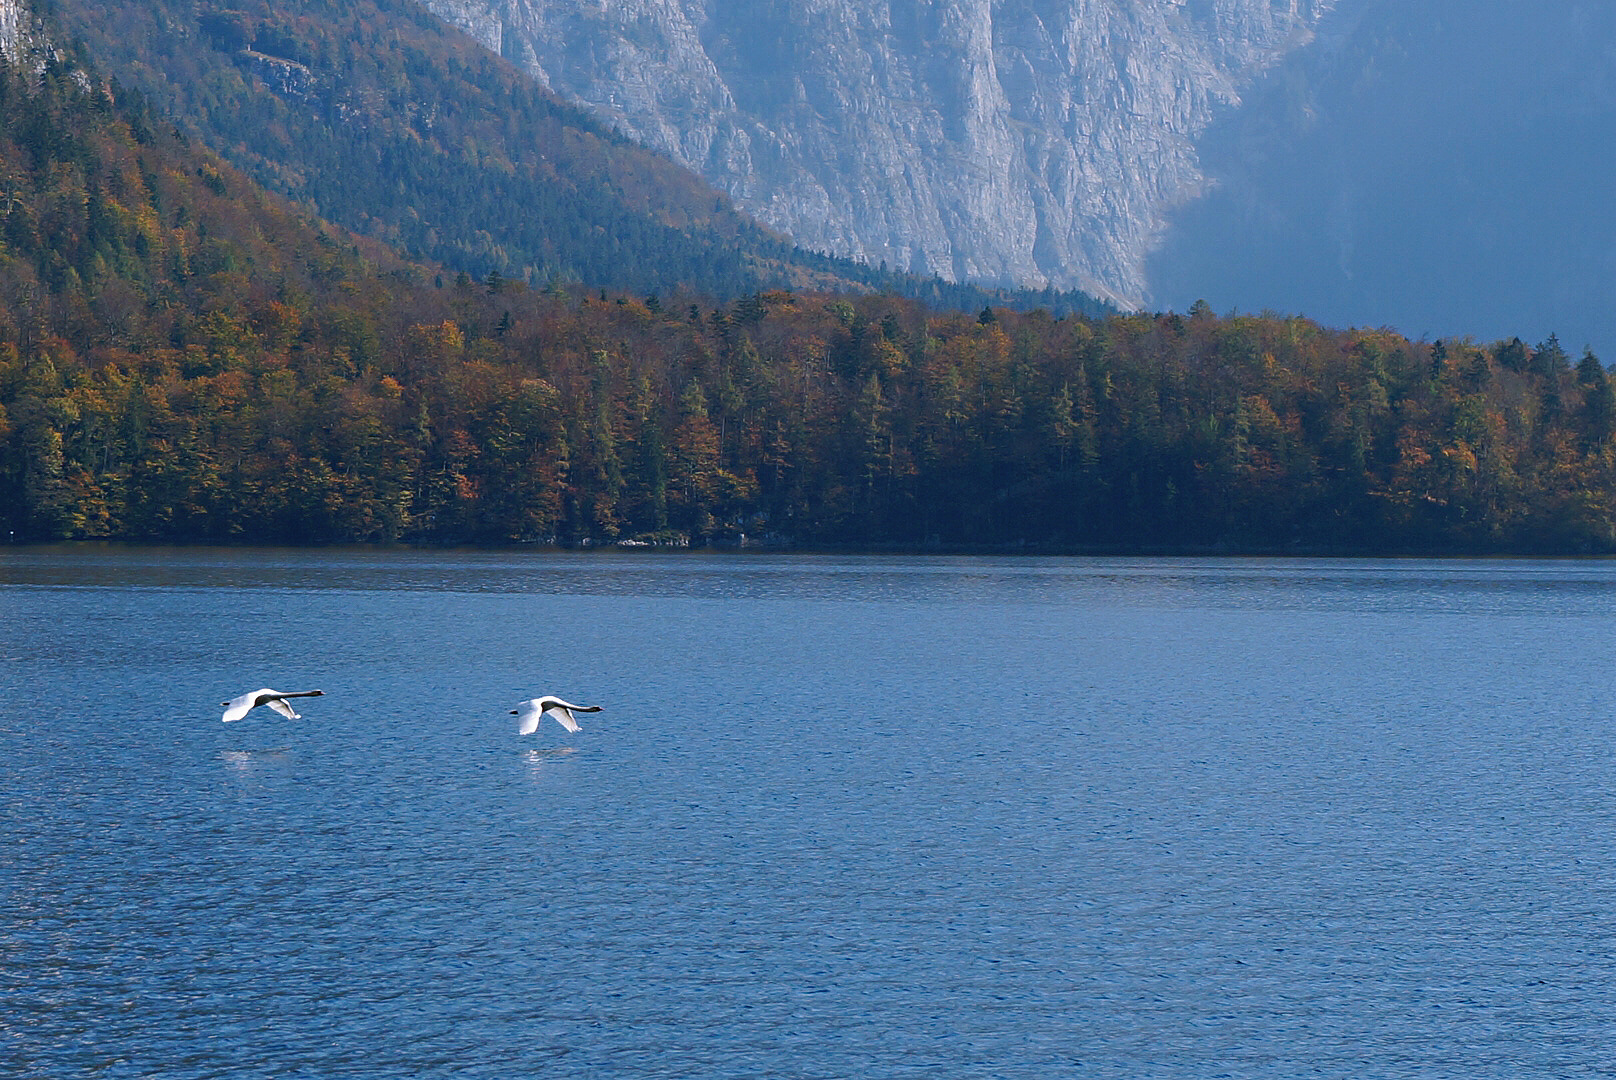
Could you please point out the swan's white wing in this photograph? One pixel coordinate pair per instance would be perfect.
(528, 718)
(242, 705)
(280, 706)
(561, 716)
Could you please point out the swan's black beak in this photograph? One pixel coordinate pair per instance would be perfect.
(514, 712)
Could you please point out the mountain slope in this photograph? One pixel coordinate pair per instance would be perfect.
(368, 111)
(383, 119)
(1005, 141)
(145, 287)
(186, 357)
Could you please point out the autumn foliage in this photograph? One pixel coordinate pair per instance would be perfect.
(183, 357)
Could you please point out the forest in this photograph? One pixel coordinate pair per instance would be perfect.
(187, 357)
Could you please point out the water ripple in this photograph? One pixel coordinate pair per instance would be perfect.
(843, 817)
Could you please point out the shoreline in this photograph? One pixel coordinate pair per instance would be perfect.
(895, 550)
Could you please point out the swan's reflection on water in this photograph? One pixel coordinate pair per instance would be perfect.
(538, 757)
(247, 760)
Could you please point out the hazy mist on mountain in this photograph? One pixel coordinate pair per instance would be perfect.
(1441, 166)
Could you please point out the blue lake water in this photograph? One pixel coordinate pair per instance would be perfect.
(842, 817)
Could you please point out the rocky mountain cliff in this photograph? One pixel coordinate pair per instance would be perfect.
(20, 33)
(10, 18)
(1039, 142)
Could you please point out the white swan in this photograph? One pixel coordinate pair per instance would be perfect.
(560, 711)
(246, 703)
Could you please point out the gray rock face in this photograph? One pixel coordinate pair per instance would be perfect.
(17, 31)
(10, 13)
(1030, 142)
(24, 40)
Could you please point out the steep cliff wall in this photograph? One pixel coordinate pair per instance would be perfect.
(23, 37)
(1029, 141)
(15, 23)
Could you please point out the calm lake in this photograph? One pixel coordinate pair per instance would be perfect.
(841, 817)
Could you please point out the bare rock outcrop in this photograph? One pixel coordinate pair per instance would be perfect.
(20, 36)
(1029, 142)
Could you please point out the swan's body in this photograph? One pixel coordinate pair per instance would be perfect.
(246, 703)
(560, 711)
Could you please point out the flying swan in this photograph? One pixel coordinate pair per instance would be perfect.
(560, 711)
(246, 703)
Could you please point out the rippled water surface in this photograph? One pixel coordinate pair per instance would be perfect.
(842, 817)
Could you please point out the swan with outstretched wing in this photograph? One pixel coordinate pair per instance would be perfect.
(246, 703)
(531, 712)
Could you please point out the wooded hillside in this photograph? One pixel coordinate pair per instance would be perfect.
(186, 357)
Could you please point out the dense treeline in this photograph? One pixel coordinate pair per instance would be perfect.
(508, 416)
(379, 117)
(185, 357)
